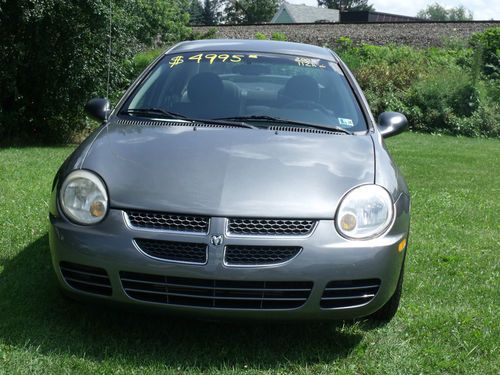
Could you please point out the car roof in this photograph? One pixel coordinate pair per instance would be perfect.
(263, 46)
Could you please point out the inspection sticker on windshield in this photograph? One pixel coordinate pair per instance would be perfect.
(311, 63)
(346, 122)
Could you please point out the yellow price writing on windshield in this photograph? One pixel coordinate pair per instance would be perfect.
(176, 60)
(210, 57)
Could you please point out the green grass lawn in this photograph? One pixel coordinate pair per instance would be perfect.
(448, 321)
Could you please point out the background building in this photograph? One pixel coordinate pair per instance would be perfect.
(367, 16)
(293, 13)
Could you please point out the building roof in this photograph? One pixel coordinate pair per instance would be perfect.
(244, 45)
(301, 13)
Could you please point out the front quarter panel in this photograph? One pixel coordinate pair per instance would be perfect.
(387, 173)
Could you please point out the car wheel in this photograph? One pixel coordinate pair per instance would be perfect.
(387, 312)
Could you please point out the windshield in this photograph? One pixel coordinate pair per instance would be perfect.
(230, 85)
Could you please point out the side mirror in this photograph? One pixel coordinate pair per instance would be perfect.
(392, 123)
(98, 109)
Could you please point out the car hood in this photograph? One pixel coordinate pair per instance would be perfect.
(220, 171)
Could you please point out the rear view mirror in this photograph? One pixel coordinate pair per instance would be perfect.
(98, 109)
(392, 123)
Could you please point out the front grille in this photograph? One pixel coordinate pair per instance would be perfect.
(227, 294)
(259, 255)
(270, 227)
(166, 221)
(174, 251)
(85, 278)
(349, 293)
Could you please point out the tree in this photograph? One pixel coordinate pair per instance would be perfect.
(211, 14)
(157, 22)
(250, 11)
(195, 11)
(206, 13)
(54, 57)
(460, 13)
(346, 5)
(487, 46)
(436, 12)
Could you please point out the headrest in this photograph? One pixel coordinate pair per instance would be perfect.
(204, 86)
(302, 87)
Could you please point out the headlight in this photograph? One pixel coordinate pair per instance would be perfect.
(365, 212)
(83, 197)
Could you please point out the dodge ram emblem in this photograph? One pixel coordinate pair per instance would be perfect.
(216, 240)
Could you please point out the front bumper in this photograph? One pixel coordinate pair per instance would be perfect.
(325, 257)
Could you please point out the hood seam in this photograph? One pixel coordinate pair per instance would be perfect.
(91, 145)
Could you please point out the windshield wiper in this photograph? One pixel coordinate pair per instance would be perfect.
(285, 121)
(154, 112)
(173, 115)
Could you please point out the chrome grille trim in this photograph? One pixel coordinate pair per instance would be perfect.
(160, 221)
(349, 293)
(173, 251)
(270, 227)
(225, 294)
(258, 256)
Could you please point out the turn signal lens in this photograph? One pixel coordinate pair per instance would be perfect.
(348, 222)
(97, 209)
(402, 245)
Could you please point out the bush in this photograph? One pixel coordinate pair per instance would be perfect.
(485, 120)
(488, 45)
(439, 100)
(438, 89)
(279, 36)
(274, 36)
(344, 43)
(260, 36)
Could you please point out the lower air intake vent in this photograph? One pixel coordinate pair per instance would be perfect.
(174, 251)
(349, 293)
(259, 255)
(87, 279)
(224, 294)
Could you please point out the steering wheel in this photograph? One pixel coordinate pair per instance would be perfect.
(306, 104)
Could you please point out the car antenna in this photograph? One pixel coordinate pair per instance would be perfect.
(109, 54)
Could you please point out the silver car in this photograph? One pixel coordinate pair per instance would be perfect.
(236, 178)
